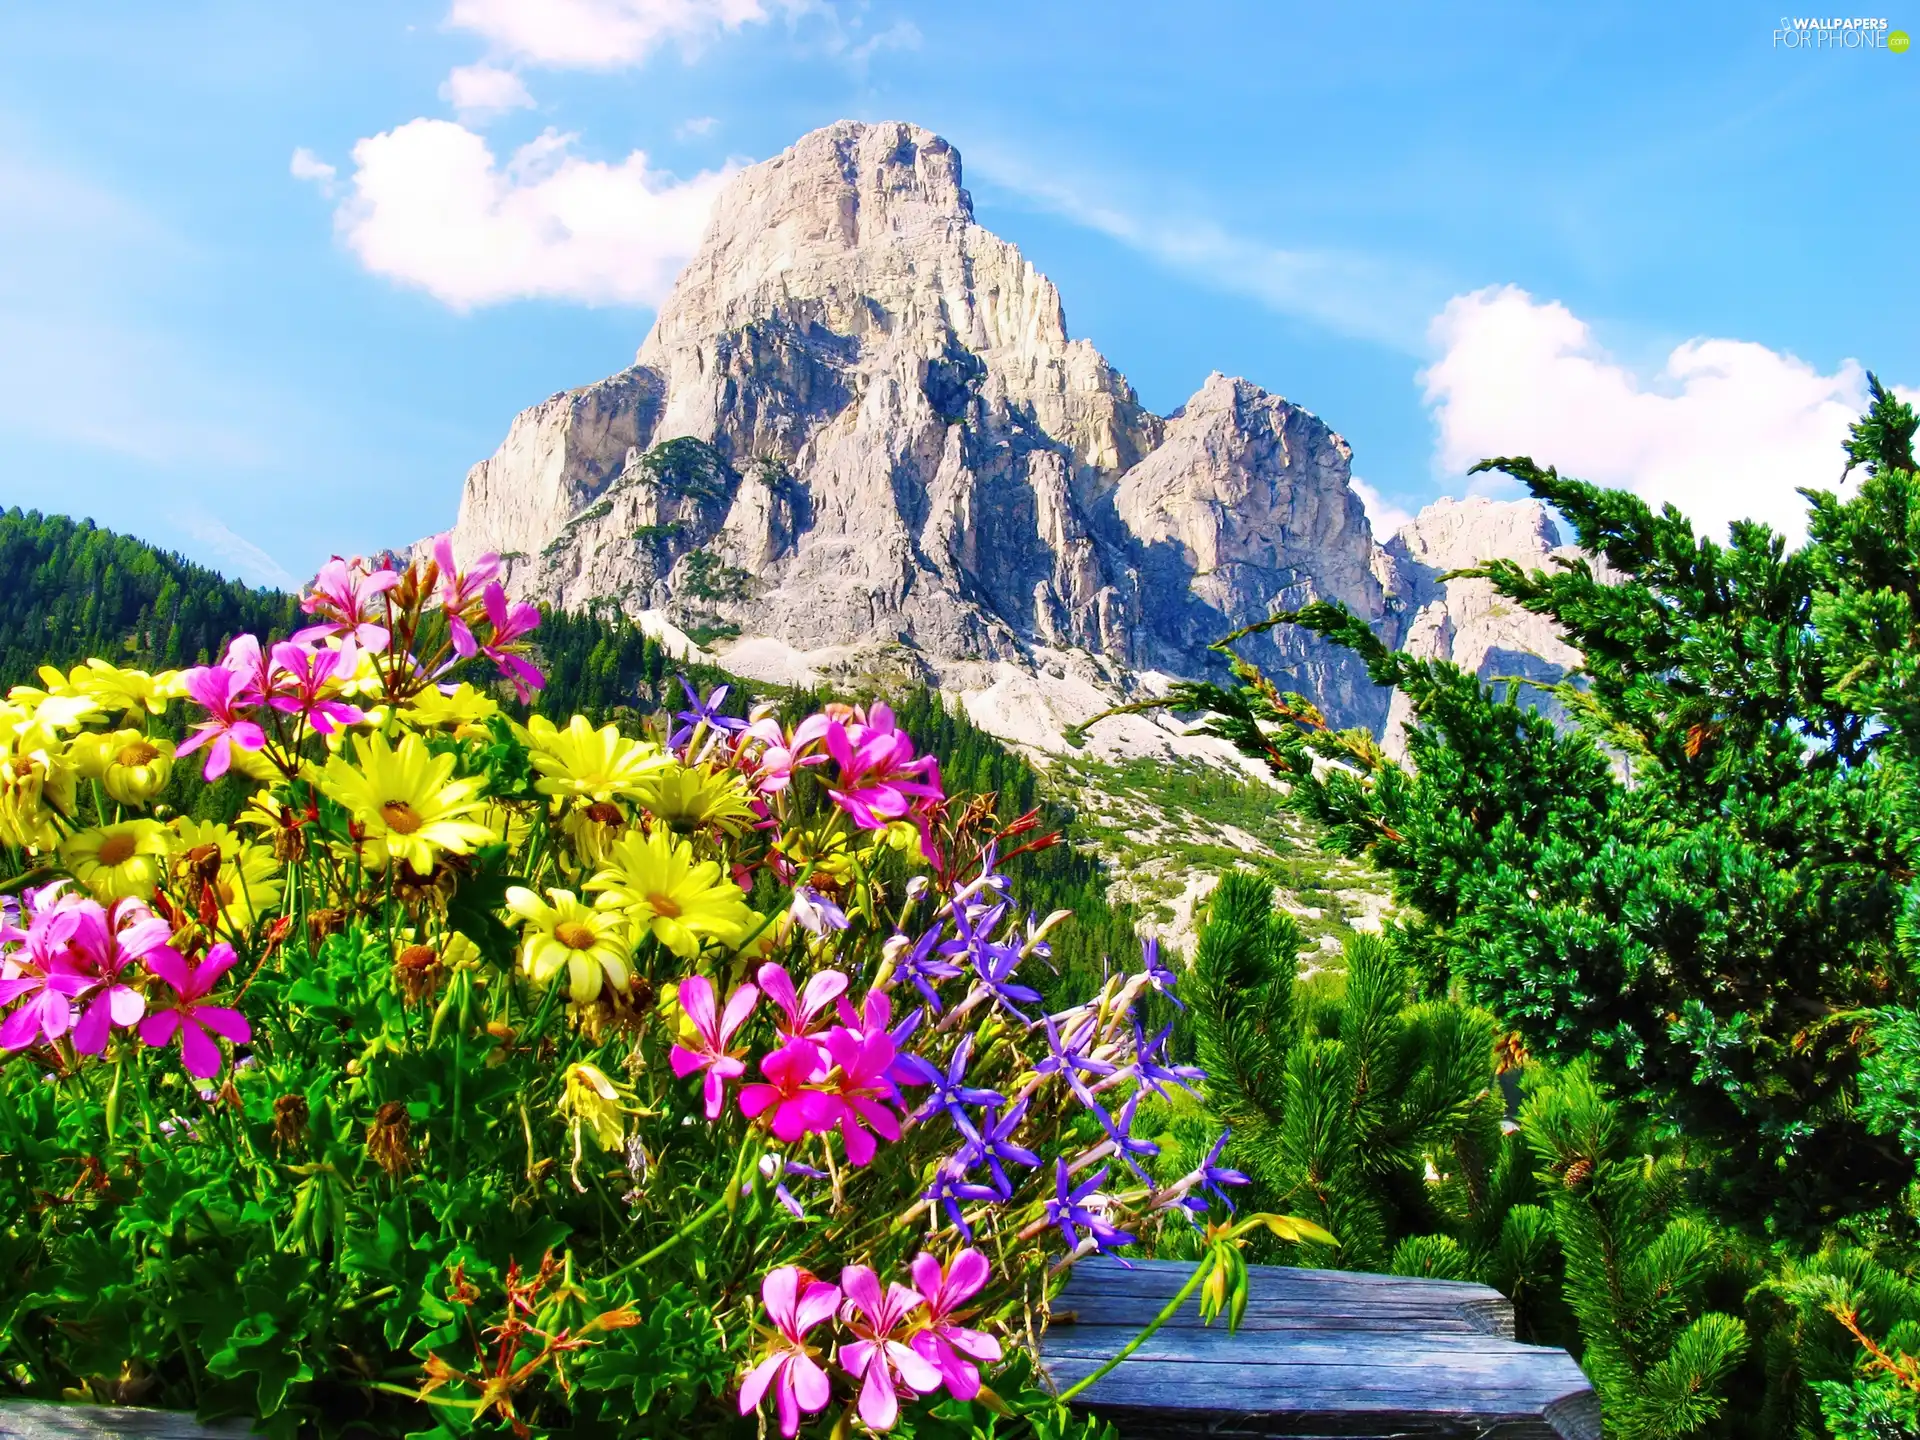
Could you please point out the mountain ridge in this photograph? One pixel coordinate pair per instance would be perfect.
(858, 436)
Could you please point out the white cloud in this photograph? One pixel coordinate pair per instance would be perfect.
(698, 125)
(481, 92)
(901, 35)
(306, 165)
(603, 34)
(432, 207)
(1383, 514)
(240, 554)
(1725, 431)
(1352, 294)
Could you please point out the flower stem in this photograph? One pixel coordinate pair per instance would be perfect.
(1194, 1282)
(696, 1223)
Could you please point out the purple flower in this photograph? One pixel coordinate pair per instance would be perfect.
(1067, 1208)
(921, 965)
(703, 712)
(1158, 975)
(993, 961)
(1147, 1069)
(950, 1188)
(951, 1092)
(1120, 1131)
(990, 1143)
(1067, 1059)
(1213, 1175)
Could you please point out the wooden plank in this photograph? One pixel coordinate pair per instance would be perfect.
(1099, 1287)
(1320, 1353)
(29, 1420)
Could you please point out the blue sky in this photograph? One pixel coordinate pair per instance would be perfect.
(1645, 242)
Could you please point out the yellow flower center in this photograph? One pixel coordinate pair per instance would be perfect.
(574, 935)
(664, 905)
(401, 817)
(117, 849)
(138, 753)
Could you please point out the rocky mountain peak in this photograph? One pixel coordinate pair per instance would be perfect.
(858, 439)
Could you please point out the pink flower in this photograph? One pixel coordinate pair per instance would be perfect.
(509, 623)
(798, 1108)
(861, 1084)
(878, 1355)
(459, 589)
(303, 673)
(713, 1031)
(187, 1016)
(949, 1348)
(348, 600)
(781, 754)
(103, 944)
(798, 1012)
(879, 779)
(800, 1386)
(222, 693)
(41, 978)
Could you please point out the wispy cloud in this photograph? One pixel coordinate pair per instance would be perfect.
(240, 554)
(479, 93)
(1367, 297)
(605, 34)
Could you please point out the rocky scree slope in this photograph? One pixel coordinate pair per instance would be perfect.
(859, 443)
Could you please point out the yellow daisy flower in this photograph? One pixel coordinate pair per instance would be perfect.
(685, 903)
(584, 763)
(118, 861)
(131, 766)
(592, 831)
(37, 776)
(113, 689)
(432, 709)
(408, 800)
(590, 945)
(689, 799)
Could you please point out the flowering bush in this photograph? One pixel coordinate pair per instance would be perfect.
(488, 1074)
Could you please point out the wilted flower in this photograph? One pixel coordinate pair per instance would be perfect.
(597, 1105)
(388, 1139)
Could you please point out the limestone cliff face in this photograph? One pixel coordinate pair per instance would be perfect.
(1463, 620)
(858, 427)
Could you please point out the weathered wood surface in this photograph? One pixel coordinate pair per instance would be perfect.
(20, 1420)
(1320, 1353)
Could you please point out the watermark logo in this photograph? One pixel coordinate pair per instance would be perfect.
(1810, 33)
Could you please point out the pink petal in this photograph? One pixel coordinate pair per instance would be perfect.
(739, 1005)
(167, 964)
(862, 1287)
(818, 1304)
(157, 1029)
(198, 1053)
(966, 1276)
(879, 1405)
(696, 998)
(128, 1005)
(220, 959)
(684, 1062)
(228, 1023)
(913, 1368)
(757, 1379)
(810, 1385)
(777, 1293)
